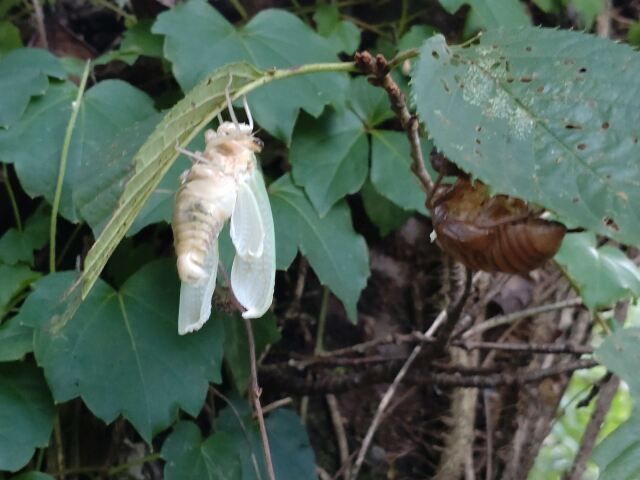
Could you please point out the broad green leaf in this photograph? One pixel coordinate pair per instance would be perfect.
(121, 352)
(26, 414)
(23, 74)
(137, 41)
(16, 340)
(17, 246)
(602, 275)
(537, 114)
(547, 6)
(236, 348)
(156, 156)
(385, 215)
(490, 14)
(34, 144)
(9, 37)
(330, 157)
(199, 39)
(189, 457)
(291, 452)
(620, 353)
(633, 35)
(13, 280)
(618, 455)
(343, 35)
(33, 476)
(415, 37)
(337, 254)
(588, 10)
(391, 170)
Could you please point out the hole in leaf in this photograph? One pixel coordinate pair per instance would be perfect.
(478, 141)
(582, 146)
(573, 126)
(478, 129)
(605, 125)
(445, 86)
(569, 61)
(526, 79)
(477, 152)
(540, 89)
(610, 224)
(583, 70)
(528, 49)
(635, 139)
(435, 54)
(510, 80)
(575, 200)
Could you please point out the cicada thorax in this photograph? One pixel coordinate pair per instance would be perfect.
(207, 196)
(493, 233)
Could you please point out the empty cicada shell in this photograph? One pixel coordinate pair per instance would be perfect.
(492, 233)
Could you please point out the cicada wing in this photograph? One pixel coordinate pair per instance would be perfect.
(195, 298)
(253, 276)
(247, 228)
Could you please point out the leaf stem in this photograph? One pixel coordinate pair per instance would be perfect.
(75, 108)
(239, 8)
(12, 197)
(254, 393)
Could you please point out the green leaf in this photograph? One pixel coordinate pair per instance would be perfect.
(27, 414)
(330, 157)
(618, 455)
(199, 39)
(493, 14)
(291, 452)
(16, 340)
(17, 246)
(156, 156)
(23, 74)
(415, 37)
(137, 41)
(9, 37)
(236, 348)
(603, 275)
(34, 143)
(13, 280)
(633, 35)
(121, 351)
(343, 35)
(337, 254)
(620, 353)
(33, 476)
(588, 10)
(547, 6)
(386, 216)
(538, 115)
(188, 457)
(391, 170)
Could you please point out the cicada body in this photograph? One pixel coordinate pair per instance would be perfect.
(492, 233)
(224, 183)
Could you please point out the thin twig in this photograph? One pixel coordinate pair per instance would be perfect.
(42, 31)
(254, 393)
(12, 197)
(341, 435)
(526, 347)
(512, 317)
(75, 108)
(57, 432)
(109, 471)
(607, 392)
(277, 404)
(452, 314)
(378, 70)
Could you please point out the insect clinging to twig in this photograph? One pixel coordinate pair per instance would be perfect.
(224, 183)
(490, 233)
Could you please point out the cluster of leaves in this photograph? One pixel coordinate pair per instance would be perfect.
(533, 113)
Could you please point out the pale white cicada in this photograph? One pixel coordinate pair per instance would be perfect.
(224, 182)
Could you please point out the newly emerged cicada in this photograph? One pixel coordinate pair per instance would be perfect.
(224, 183)
(491, 233)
